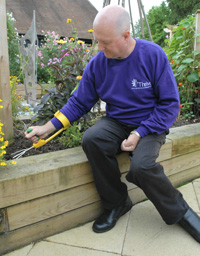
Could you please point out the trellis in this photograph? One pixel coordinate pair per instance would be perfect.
(29, 52)
(141, 14)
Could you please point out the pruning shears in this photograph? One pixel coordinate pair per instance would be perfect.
(40, 143)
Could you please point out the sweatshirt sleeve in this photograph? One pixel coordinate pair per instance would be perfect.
(81, 101)
(167, 104)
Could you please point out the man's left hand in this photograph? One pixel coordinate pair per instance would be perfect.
(130, 143)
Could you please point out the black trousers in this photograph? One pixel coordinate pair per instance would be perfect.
(102, 143)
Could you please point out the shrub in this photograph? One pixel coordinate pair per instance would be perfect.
(13, 50)
(185, 63)
(16, 100)
(63, 62)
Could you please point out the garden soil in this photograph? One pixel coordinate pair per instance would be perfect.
(20, 142)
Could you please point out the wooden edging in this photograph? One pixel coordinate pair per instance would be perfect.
(49, 193)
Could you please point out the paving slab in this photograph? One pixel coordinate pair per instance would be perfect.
(21, 252)
(147, 234)
(53, 249)
(190, 196)
(196, 185)
(84, 237)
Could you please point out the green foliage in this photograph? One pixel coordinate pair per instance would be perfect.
(61, 61)
(16, 100)
(158, 17)
(180, 9)
(13, 50)
(185, 63)
(72, 136)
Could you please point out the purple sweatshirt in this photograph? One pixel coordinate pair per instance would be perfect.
(139, 90)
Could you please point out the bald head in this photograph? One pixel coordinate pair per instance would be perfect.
(113, 16)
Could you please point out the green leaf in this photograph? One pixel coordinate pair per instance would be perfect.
(181, 68)
(196, 52)
(197, 100)
(193, 77)
(179, 37)
(188, 60)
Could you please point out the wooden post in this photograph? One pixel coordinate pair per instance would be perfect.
(197, 38)
(131, 18)
(147, 23)
(141, 20)
(6, 111)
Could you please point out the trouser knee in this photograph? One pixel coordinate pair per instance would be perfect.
(143, 170)
(139, 167)
(87, 138)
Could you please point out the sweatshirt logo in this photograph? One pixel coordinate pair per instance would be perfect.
(140, 85)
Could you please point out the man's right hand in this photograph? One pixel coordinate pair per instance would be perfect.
(40, 131)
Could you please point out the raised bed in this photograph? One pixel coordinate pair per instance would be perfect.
(49, 193)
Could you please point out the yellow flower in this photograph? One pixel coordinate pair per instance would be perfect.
(69, 20)
(1, 133)
(1, 106)
(79, 77)
(80, 42)
(6, 143)
(71, 39)
(1, 124)
(1, 139)
(90, 30)
(26, 109)
(87, 50)
(2, 147)
(0, 100)
(3, 163)
(61, 41)
(14, 162)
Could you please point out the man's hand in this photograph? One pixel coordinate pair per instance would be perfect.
(130, 143)
(41, 131)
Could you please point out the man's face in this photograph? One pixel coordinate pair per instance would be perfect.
(111, 44)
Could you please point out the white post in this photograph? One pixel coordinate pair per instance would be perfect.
(197, 39)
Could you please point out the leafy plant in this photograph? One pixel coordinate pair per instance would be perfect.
(64, 60)
(13, 50)
(16, 100)
(185, 63)
(71, 137)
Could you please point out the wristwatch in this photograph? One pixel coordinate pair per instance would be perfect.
(136, 133)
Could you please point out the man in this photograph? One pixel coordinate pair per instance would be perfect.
(135, 80)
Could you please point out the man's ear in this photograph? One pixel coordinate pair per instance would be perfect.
(126, 34)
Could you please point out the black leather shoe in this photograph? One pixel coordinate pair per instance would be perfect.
(110, 217)
(191, 223)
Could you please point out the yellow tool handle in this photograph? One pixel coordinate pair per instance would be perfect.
(43, 142)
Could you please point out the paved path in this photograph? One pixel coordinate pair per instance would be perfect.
(141, 232)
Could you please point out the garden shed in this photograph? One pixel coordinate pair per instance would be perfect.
(52, 16)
